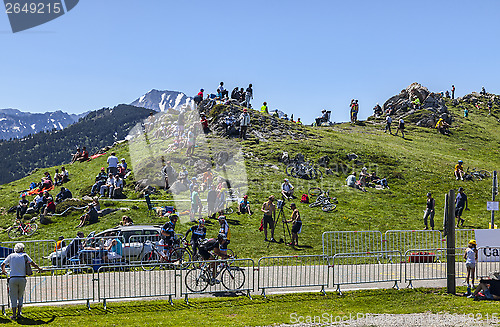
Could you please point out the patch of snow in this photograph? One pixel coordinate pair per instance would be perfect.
(33, 126)
(16, 128)
(61, 126)
(3, 119)
(142, 98)
(52, 120)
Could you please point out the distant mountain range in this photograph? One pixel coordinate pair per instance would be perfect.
(17, 124)
(162, 100)
(96, 130)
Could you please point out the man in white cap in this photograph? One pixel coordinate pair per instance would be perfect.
(287, 189)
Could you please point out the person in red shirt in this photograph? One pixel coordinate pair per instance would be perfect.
(204, 124)
(84, 156)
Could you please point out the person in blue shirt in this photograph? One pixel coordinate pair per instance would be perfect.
(461, 203)
(244, 206)
(198, 232)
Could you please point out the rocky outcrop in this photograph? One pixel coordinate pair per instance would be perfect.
(432, 106)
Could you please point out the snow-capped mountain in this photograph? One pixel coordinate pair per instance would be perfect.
(162, 100)
(17, 124)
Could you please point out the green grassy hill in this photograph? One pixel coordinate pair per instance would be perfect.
(421, 163)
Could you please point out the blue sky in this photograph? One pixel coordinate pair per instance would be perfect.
(301, 56)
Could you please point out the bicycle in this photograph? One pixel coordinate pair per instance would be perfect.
(304, 170)
(198, 278)
(156, 258)
(323, 200)
(476, 175)
(19, 229)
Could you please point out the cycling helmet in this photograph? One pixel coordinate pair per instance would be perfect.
(222, 217)
(201, 221)
(221, 237)
(460, 161)
(174, 216)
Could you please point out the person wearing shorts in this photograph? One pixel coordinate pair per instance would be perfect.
(269, 210)
(214, 245)
(461, 203)
(470, 257)
(297, 224)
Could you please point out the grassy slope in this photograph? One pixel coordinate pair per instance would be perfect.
(423, 162)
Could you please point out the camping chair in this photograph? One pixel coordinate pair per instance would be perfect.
(151, 208)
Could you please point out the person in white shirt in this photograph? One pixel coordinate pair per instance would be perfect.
(388, 122)
(244, 123)
(287, 189)
(117, 187)
(17, 262)
(112, 164)
(110, 184)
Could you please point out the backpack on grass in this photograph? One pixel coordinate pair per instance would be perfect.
(304, 198)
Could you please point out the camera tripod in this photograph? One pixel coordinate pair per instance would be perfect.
(286, 228)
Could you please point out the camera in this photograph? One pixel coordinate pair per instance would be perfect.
(280, 204)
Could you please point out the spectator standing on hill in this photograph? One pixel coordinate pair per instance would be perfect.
(388, 122)
(264, 109)
(354, 111)
(249, 96)
(466, 113)
(196, 205)
(244, 123)
(22, 207)
(204, 123)
(112, 164)
(269, 210)
(242, 95)
(401, 127)
(169, 174)
(490, 105)
(211, 200)
(429, 211)
(461, 204)
(297, 224)
(453, 92)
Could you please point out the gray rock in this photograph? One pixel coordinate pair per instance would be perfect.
(178, 187)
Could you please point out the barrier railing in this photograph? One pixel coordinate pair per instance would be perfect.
(232, 275)
(366, 267)
(488, 261)
(463, 236)
(37, 250)
(351, 242)
(138, 246)
(403, 240)
(57, 286)
(430, 264)
(132, 281)
(292, 271)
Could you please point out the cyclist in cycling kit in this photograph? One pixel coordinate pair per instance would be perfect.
(224, 230)
(214, 245)
(199, 232)
(168, 233)
(459, 170)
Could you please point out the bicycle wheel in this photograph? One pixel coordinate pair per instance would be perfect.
(315, 191)
(150, 260)
(196, 280)
(315, 204)
(182, 256)
(485, 173)
(228, 210)
(319, 173)
(31, 229)
(233, 278)
(328, 207)
(14, 232)
(289, 169)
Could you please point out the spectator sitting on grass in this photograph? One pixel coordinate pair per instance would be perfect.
(110, 184)
(22, 207)
(126, 221)
(63, 195)
(244, 206)
(49, 205)
(351, 182)
(46, 181)
(489, 287)
(84, 156)
(287, 189)
(76, 155)
(377, 180)
(117, 192)
(90, 216)
(100, 180)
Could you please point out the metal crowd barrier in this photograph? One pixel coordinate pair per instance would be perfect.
(430, 264)
(366, 267)
(59, 286)
(463, 236)
(137, 247)
(351, 242)
(233, 275)
(37, 250)
(403, 240)
(132, 281)
(292, 271)
(491, 263)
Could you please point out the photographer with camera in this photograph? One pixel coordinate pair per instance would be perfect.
(269, 210)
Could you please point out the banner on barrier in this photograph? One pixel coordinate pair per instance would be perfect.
(489, 241)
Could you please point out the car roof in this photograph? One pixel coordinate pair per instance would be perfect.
(130, 228)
